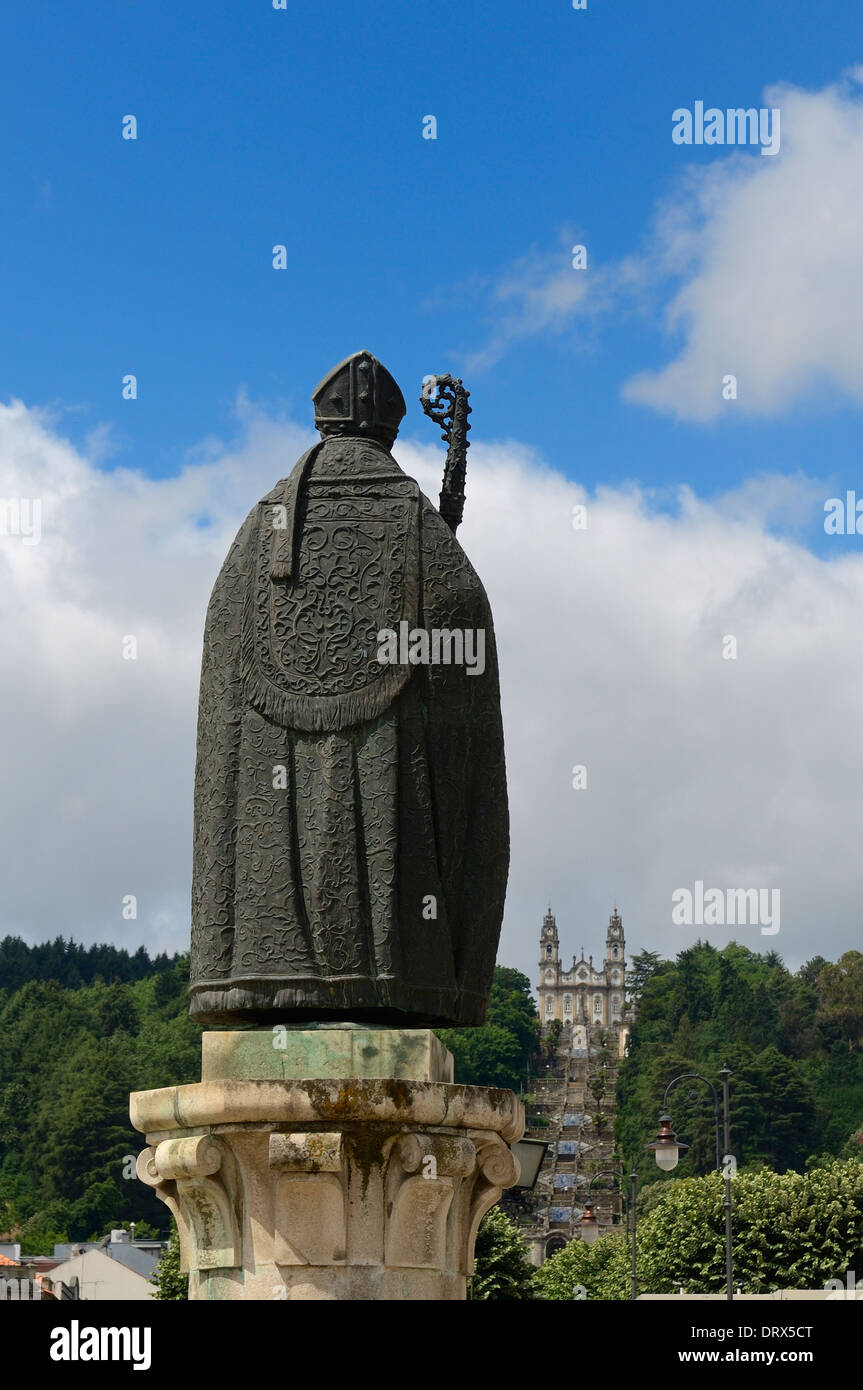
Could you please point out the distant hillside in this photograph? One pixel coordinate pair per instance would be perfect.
(70, 1053)
(71, 965)
(82, 1027)
(794, 1043)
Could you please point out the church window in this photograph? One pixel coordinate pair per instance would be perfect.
(549, 1004)
(567, 1003)
(614, 952)
(548, 951)
(597, 1003)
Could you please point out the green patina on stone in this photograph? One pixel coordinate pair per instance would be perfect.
(325, 1053)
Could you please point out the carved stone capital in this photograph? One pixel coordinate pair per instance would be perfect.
(351, 1189)
(206, 1207)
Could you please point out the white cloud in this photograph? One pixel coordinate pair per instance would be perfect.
(544, 294)
(741, 773)
(755, 266)
(771, 254)
(540, 294)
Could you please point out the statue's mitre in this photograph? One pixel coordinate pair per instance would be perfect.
(359, 397)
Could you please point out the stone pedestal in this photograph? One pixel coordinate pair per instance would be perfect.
(362, 1186)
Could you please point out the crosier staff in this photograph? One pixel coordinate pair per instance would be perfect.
(450, 410)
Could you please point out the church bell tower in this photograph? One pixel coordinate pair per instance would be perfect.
(549, 964)
(615, 946)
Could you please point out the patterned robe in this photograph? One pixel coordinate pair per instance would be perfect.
(351, 824)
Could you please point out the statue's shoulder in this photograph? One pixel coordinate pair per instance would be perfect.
(246, 540)
(232, 566)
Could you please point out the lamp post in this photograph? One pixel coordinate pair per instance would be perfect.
(667, 1149)
(589, 1226)
(633, 1209)
(727, 1167)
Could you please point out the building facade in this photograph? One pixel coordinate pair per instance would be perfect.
(585, 996)
(572, 1101)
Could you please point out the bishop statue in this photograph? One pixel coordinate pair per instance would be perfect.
(351, 827)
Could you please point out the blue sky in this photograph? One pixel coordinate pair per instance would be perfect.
(303, 127)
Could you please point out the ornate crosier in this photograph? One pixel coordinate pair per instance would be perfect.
(450, 410)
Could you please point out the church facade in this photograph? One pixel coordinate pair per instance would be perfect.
(585, 996)
(573, 1089)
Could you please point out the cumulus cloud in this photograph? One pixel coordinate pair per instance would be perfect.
(754, 267)
(739, 773)
(771, 256)
(99, 750)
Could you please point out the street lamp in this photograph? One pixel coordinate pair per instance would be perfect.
(589, 1225)
(530, 1154)
(667, 1149)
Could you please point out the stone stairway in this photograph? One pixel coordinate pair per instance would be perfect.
(571, 1107)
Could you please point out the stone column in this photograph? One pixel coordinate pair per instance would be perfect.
(327, 1163)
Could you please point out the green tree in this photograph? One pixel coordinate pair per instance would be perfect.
(652, 1193)
(487, 1056)
(169, 1280)
(797, 1083)
(502, 1269)
(511, 1006)
(840, 997)
(791, 1230)
(693, 996)
(773, 1111)
(809, 972)
(597, 1088)
(498, 1053)
(70, 1056)
(854, 1146)
(598, 1271)
(642, 967)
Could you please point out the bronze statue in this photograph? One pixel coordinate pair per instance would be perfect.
(351, 825)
